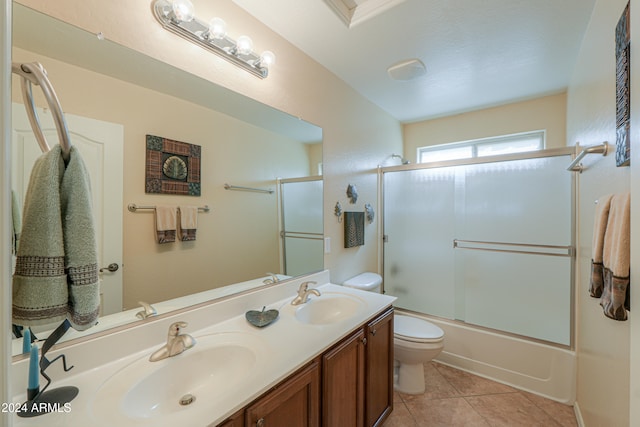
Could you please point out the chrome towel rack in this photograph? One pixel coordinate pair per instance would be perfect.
(132, 207)
(575, 165)
(35, 73)
(238, 188)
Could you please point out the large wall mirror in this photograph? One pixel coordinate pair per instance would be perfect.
(268, 228)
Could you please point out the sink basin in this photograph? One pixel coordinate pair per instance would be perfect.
(331, 307)
(191, 381)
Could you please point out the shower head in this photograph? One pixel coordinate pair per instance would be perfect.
(402, 159)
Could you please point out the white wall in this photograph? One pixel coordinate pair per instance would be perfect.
(602, 344)
(5, 205)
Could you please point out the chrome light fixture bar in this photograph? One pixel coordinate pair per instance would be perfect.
(177, 17)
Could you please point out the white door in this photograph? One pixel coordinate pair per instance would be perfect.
(101, 145)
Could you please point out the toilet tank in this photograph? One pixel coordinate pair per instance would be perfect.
(365, 281)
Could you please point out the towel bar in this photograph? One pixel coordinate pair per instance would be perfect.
(132, 207)
(575, 165)
(518, 248)
(236, 187)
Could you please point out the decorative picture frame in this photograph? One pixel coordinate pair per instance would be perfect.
(623, 90)
(172, 167)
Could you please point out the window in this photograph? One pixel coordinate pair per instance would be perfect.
(506, 144)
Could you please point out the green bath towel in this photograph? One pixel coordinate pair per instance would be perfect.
(56, 274)
(16, 219)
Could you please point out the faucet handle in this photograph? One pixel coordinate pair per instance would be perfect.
(148, 310)
(272, 279)
(174, 328)
(305, 285)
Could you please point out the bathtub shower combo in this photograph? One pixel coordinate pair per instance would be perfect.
(488, 242)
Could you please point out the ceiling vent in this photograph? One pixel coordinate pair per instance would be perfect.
(407, 70)
(353, 12)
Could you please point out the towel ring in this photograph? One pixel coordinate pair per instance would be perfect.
(35, 73)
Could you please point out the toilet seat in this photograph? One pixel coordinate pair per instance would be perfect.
(416, 330)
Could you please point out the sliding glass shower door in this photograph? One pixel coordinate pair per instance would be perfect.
(302, 226)
(490, 244)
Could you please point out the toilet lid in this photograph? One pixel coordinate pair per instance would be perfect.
(414, 329)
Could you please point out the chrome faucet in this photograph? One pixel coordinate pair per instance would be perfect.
(303, 293)
(272, 279)
(148, 310)
(176, 343)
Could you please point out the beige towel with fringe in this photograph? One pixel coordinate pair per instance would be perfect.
(616, 258)
(188, 223)
(599, 227)
(166, 224)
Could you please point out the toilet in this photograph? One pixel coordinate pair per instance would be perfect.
(415, 341)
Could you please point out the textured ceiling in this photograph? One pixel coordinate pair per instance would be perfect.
(478, 53)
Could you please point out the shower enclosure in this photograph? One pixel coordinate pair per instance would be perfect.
(488, 242)
(301, 229)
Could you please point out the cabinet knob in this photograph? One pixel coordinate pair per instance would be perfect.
(364, 341)
(373, 332)
(260, 422)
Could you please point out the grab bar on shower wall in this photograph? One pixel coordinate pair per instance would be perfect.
(575, 165)
(35, 73)
(516, 248)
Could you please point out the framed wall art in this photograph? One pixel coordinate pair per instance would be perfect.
(623, 90)
(172, 167)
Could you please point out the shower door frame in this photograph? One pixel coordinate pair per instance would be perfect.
(283, 233)
(553, 152)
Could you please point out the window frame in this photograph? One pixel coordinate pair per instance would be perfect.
(475, 143)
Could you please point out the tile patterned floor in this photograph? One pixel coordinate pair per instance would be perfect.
(457, 398)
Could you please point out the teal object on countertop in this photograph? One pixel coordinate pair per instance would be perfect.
(26, 340)
(34, 373)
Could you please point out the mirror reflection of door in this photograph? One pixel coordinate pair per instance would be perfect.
(100, 144)
(302, 225)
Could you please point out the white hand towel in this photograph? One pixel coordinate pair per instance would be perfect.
(188, 223)
(166, 224)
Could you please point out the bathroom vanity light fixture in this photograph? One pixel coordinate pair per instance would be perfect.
(178, 17)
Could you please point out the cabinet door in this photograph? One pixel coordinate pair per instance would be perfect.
(295, 403)
(379, 369)
(235, 420)
(343, 383)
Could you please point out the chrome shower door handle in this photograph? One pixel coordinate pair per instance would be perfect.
(111, 268)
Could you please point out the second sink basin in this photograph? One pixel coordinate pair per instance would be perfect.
(145, 390)
(329, 308)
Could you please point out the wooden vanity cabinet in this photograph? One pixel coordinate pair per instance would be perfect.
(351, 384)
(294, 403)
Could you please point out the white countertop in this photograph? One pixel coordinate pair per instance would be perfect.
(288, 344)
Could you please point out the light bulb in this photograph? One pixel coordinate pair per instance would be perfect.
(217, 28)
(267, 59)
(183, 10)
(244, 45)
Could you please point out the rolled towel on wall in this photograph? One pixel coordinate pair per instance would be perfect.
(188, 223)
(166, 224)
(599, 227)
(616, 258)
